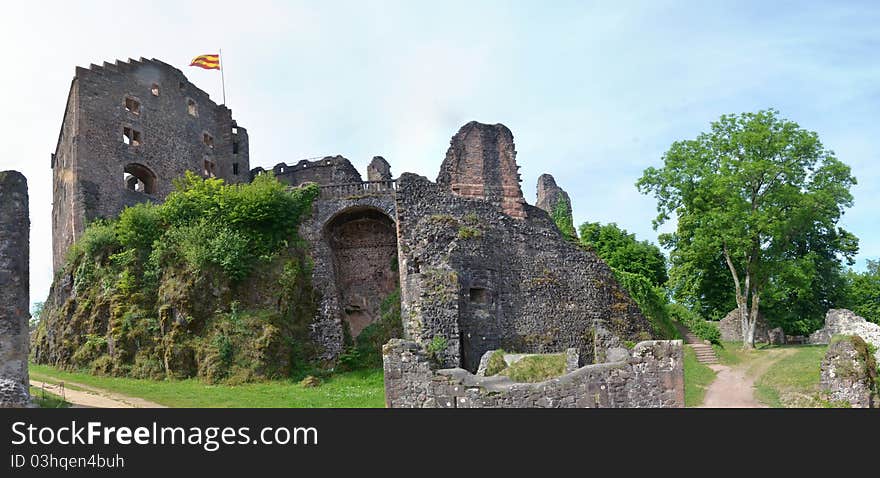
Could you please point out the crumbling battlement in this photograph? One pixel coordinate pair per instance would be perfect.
(128, 130)
(481, 163)
(651, 376)
(477, 279)
(325, 171)
(15, 292)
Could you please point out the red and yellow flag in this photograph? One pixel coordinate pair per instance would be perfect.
(208, 62)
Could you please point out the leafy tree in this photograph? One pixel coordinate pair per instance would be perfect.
(863, 292)
(36, 313)
(623, 252)
(750, 190)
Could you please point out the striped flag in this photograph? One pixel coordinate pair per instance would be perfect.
(208, 62)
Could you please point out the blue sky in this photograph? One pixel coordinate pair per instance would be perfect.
(594, 92)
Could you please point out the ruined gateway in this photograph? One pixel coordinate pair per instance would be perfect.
(479, 269)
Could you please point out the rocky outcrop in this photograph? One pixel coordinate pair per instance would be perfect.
(14, 289)
(731, 328)
(849, 373)
(846, 322)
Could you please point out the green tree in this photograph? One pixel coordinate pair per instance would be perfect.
(863, 291)
(623, 252)
(562, 217)
(748, 190)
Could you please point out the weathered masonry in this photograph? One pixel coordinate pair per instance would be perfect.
(477, 268)
(651, 375)
(129, 128)
(14, 289)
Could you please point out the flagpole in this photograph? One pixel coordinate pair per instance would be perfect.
(222, 79)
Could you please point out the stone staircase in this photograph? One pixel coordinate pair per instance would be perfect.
(705, 352)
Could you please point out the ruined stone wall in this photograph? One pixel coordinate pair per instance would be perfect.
(849, 373)
(481, 163)
(652, 376)
(329, 170)
(731, 328)
(171, 118)
(364, 245)
(483, 280)
(379, 170)
(549, 195)
(846, 322)
(14, 292)
(330, 221)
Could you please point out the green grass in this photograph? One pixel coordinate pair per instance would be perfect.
(46, 399)
(697, 378)
(359, 389)
(536, 368)
(793, 381)
(732, 353)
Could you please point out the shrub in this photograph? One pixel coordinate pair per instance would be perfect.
(469, 232)
(366, 351)
(701, 328)
(651, 300)
(437, 348)
(182, 261)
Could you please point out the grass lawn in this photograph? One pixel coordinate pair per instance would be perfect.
(361, 389)
(793, 381)
(697, 378)
(46, 399)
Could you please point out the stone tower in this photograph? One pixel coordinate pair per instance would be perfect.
(129, 129)
(549, 195)
(14, 289)
(481, 163)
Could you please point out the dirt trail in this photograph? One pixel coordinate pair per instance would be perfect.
(734, 386)
(91, 397)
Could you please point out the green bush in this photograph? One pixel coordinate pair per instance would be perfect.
(366, 351)
(701, 328)
(160, 281)
(651, 300)
(436, 348)
(562, 217)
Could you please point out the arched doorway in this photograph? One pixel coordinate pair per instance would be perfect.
(363, 241)
(140, 178)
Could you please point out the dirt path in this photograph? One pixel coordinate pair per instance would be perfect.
(734, 386)
(91, 397)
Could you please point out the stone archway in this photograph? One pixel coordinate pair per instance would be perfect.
(140, 178)
(363, 242)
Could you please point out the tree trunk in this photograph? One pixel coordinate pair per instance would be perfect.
(742, 303)
(753, 319)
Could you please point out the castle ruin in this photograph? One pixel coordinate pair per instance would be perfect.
(479, 269)
(15, 292)
(129, 129)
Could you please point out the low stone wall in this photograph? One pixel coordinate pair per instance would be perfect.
(652, 376)
(849, 373)
(846, 322)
